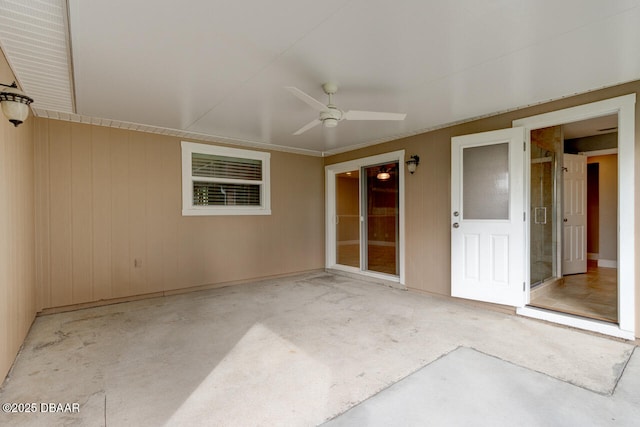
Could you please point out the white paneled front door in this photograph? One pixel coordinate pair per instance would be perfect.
(574, 226)
(487, 223)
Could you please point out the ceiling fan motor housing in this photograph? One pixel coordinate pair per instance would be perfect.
(331, 116)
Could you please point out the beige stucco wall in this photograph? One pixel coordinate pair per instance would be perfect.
(17, 253)
(428, 191)
(608, 206)
(107, 197)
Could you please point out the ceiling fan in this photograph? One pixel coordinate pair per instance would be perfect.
(330, 114)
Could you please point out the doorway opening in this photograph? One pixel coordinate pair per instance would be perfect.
(573, 207)
(365, 216)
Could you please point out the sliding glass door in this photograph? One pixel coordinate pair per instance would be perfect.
(380, 202)
(348, 218)
(364, 216)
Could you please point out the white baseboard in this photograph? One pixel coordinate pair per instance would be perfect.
(607, 263)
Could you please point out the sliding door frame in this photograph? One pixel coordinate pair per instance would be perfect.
(330, 219)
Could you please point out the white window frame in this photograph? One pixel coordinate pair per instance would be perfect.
(189, 209)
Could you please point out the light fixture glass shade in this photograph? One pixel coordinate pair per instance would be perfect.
(383, 175)
(15, 105)
(411, 165)
(330, 122)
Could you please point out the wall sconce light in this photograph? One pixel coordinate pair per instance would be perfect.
(15, 104)
(413, 163)
(384, 174)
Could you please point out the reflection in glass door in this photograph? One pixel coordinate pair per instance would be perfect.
(348, 218)
(381, 202)
(545, 146)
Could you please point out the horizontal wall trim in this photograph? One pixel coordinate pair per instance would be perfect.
(167, 293)
(138, 127)
(600, 152)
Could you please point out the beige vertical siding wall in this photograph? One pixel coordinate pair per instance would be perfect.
(106, 197)
(428, 191)
(17, 253)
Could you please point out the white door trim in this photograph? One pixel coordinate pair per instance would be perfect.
(576, 322)
(330, 202)
(624, 106)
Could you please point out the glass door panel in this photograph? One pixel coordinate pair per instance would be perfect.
(348, 219)
(546, 145)
(381, 201)
(485, 182)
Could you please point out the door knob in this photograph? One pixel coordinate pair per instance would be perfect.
(456, 225)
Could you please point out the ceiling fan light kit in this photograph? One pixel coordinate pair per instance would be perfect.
(330, 114)
(330, 122)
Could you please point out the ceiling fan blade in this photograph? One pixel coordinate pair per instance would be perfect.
(308, 126)
(373, 115)
(309, 100)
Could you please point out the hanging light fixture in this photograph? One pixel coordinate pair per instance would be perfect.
(413, 163)
(383, 174)
(15, 104)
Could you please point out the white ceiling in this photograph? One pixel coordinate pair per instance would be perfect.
(218, 68)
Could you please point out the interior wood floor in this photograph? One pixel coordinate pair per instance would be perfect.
(593, 294)
(382, 259)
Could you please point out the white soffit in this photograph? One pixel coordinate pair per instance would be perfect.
(216, 70)
(34, 37)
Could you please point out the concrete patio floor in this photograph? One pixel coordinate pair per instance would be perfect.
(466, 387)
(304, 349)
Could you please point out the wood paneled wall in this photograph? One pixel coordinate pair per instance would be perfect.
(110, 225)
(17, 250)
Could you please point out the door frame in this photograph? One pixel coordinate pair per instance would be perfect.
(330, 217)
(624, 106)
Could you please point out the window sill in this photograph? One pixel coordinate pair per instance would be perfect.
(227, 212)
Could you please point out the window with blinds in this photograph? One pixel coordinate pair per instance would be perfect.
(224, 181)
